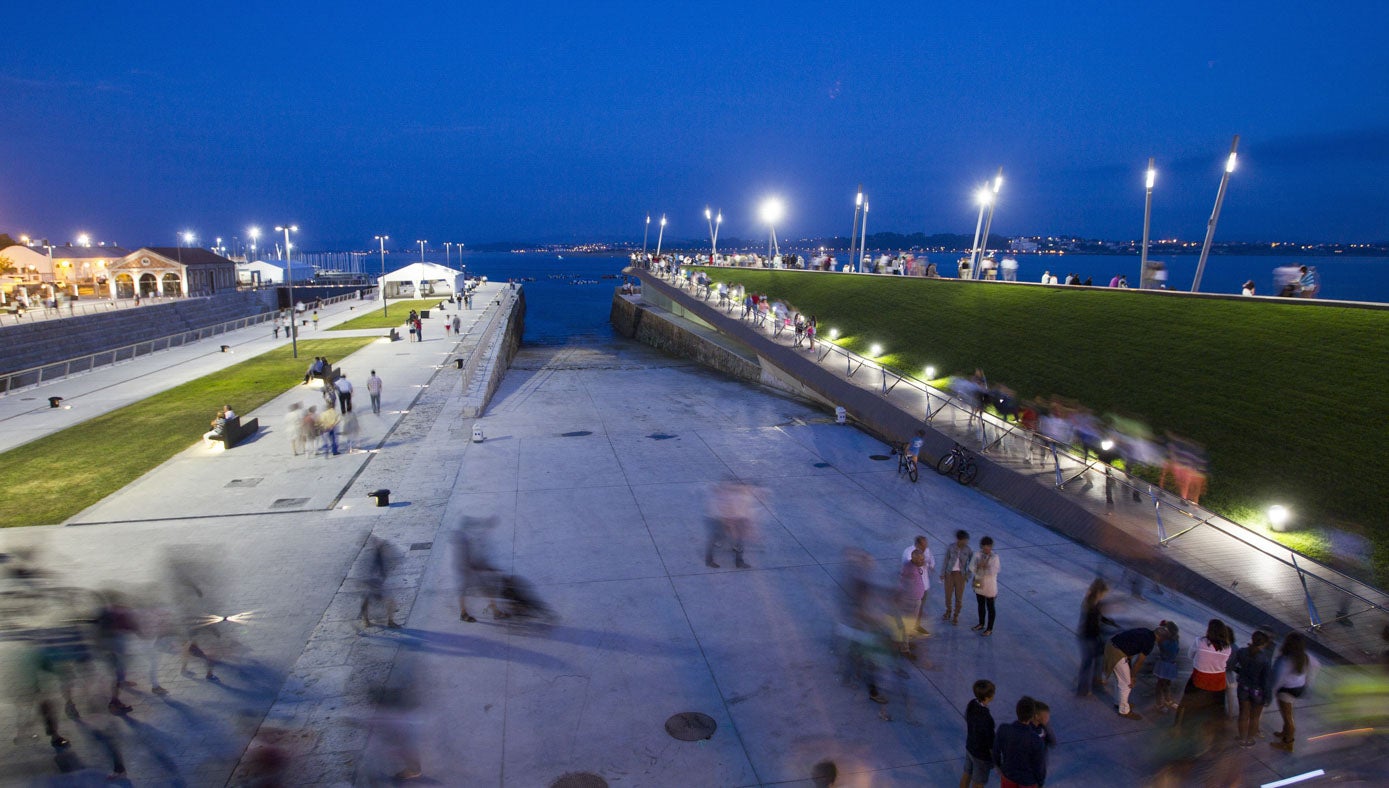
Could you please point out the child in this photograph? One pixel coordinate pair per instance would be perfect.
(1165, 668)
(979, 736)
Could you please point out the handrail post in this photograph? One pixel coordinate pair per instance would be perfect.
(1312, 615)
(1157, 511)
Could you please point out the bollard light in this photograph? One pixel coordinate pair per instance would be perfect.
(930, 373)
(834, 333)
(1278, 516)
(1106, 444)
(876, 350)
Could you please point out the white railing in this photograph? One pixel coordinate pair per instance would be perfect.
(987, 433)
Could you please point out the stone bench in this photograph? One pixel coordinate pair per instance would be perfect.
(233, 431)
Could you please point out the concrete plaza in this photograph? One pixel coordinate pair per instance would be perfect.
(596, 471)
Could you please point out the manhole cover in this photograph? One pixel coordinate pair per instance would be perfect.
(691, 726)
(243, 482)
(822, 465)
(27, 399)
(575, 434)
(579, 780)
(422, 546)
(288, 503)
(879, 457)
(660, 436)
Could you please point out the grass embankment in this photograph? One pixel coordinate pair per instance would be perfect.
(53, 478)
(395, 317)
(1284, 397)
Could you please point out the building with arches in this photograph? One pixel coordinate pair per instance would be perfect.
(154, 271)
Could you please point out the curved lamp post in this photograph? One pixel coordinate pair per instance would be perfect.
(772, 211)
(289, 277)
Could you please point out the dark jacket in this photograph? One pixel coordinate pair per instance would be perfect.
(1254, 671)
(1020, 753)
(979, 731)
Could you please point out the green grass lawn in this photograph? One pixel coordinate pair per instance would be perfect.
(1284, 397)
(53, 478)
(396, 317)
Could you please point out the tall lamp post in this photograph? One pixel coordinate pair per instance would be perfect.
(772, 211)
(289, 277)
(988, 223)
(1215, 215)
(718, 223)
(863, 236)
(983, 196)
(713, 233)
(644, 235)
(254, 233)
(853, 233)
(660, 236)
(381, 241)
(421, 243)
(1147, 215)
(447, 244)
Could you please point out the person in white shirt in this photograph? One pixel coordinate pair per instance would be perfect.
(926, 567)
(374, 389)
(344, 387)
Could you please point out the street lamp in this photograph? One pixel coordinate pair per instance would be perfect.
(1147, 214)
(983, 197)
(988, 223)
(447, 244)
(773, 209)
(713, 233)
(219, 245)
(254, 233)
(644, 235)
(382, 239)
(421, 243)
(660, 236)
(289, 277)
(718, 223)
(853, 233)
(863, 236)
(84, 240)
(1215, 215)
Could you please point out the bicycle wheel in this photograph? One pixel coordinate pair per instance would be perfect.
(913, 471)
(946, 464)
(967, 473)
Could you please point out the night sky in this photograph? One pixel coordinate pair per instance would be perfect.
(566, 122)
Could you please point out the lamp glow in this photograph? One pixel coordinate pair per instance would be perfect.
(930, 373)
(859, 199)
(998, 182)
(1230, 162)
(1278, 516)
(188, 238)
(876, 350)
(983, 197)
(1152, 177)
(772, 210)
(84, 240)
(708, 214)
(834, 333)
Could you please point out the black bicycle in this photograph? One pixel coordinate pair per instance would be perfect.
(906, 462)
(958, 463)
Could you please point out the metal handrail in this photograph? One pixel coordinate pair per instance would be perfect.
(1058, 450)
(16, 381)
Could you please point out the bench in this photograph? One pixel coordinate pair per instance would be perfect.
(233, 431)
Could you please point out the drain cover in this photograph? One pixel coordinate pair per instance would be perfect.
(660, 436)
(579, 780)
(822, 465)
(288, 503)
(243, 482)
(422, 546)
(575, 434)
(879, 457)
(691, 726)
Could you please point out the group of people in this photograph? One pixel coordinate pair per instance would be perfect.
(332, 419)
(218, 425)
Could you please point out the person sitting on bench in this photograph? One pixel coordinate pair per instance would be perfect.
(316, 370)
(219, 422)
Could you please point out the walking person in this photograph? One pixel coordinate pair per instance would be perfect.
(374, 391)
(1091, 637)
(1254, 669)
(381, 561)
(344, 389)
(315, 320)
(457, 326)
(328, 428)
(979, 736)
(1123, 656)
(985, 567)
(294, 428)
(1293, 672)
(911, 591)
(954, 572)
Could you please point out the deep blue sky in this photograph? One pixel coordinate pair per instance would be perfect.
(558, 121)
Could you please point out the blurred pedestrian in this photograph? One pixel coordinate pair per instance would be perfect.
(1204, 695)
(910, 592)
(985, 567)
(921, 575)
(374, 391)
(1091, 637)
(381, 561)
(1293, 672)
(350, 430)
(729, 521)
(1165, 666)
(294, 428)
(979, 736)
(457, 326)
(954, 572)
(476, 577)
(328, 429)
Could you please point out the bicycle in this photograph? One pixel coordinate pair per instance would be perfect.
(958, 463)
(906, 462)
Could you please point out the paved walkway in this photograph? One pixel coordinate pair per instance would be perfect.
(1248, 564)
(597, 465)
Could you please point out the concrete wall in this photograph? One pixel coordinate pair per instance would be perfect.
(499, 349)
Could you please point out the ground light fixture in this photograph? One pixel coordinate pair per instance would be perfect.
(876, 350)
(1278, 516)
(834, 333)
(930, 373)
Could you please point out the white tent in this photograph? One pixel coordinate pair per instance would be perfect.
(421, 280)
(266, 273)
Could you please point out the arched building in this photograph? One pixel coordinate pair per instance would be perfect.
(171, 271)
